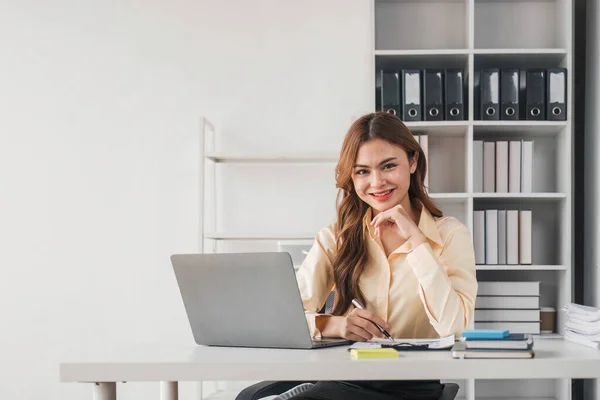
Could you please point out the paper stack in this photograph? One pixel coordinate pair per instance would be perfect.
(582, 325)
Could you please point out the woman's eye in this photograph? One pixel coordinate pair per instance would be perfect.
(361, 172)
(389, 166)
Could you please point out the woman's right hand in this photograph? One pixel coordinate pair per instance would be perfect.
(359, 325)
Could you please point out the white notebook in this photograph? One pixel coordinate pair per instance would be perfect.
(479, 236)
(489, 167)
(514, 167)
(512, 237)
(501, 166)
(512, 288)
(501, 237)
(478, 166)
(491, 236)
(527, 166)
(507, 302)
(525, 237)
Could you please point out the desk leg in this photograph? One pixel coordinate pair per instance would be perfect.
(105, 391)
(169, 391)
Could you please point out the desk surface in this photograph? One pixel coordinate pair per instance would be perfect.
(553, 359)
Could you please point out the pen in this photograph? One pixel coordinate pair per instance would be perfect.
(358, 305)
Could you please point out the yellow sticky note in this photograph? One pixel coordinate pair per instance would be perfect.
(359, 354)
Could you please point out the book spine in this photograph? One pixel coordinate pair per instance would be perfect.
(519, 288)
(479, 236)
(514, 167)
(491, 236)
(478, 166)
(525, 237)
(501, 167)
(514, 327)
(489, 167)
(507, 315)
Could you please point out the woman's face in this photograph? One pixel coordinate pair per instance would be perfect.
(381, 175)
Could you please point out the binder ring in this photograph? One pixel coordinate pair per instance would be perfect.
(434, 112)
(454, 111)
(535, 111)
(510, 111)
(556, 111)
(412, 112)
(391, 111)
(490, 111)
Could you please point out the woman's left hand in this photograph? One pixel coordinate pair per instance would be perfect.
(400, 222)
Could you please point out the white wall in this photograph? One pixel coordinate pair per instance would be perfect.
(99, 108)
(592, 170)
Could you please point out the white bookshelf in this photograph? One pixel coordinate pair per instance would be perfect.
(466, 34)
(475, 34)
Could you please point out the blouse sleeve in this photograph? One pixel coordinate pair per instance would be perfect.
(448, 283)
(315, 278)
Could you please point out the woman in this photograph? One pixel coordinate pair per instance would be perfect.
(391, 249)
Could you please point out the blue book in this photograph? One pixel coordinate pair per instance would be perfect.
(485, 334)
(511, 337)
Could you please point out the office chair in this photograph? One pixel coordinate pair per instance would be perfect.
(274, 388)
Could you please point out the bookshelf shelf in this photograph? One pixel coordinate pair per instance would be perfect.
(527, 52)
(518, 128)
(419, 58)
(423, 52)
(449, 196)
(523, 196)
(483, 267)
(222, 157)
(259, 236)
(521, 124)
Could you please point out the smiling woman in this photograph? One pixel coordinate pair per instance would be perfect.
(381, 166)
(390, 248)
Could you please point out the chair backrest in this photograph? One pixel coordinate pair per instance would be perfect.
(450, 391)
(328, 307)
(272, 388)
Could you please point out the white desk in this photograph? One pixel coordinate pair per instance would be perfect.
(169, 365)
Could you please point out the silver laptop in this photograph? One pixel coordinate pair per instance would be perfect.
(245, 300)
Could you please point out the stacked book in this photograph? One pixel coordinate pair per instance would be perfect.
(424, 142)
(503, 237)
(582, 325)
(513, 306)
(493, 344)
(503, 166)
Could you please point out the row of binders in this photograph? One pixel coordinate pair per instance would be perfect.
(503, 237)
(508, 305)
(503, 166)
(532, 94)
(421, 95)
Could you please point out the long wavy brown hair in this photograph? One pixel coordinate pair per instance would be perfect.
(352, 253)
